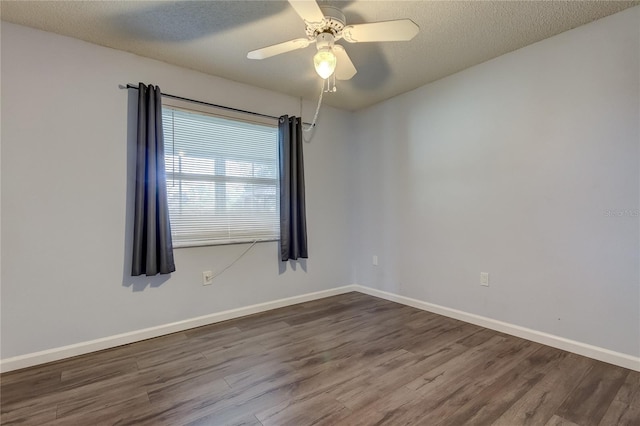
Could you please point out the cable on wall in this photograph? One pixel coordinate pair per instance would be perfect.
(311, 129)
(235, 261)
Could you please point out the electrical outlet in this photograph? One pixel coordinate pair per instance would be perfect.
(375, 260)
(484, 279)
(207, 278)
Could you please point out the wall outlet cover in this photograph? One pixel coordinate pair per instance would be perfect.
(484, 279)
(207, 277)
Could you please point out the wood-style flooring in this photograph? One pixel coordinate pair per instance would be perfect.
(351, 359)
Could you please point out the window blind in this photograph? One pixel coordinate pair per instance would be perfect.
(222, 178)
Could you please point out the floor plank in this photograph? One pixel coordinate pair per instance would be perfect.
(625, 408)
(540, 403)
(559, 421)
(590, 400)
(317, 410)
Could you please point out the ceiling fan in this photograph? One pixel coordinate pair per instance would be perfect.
(326, 25)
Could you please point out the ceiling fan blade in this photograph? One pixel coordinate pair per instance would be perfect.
(344, 67)
(276, 49)
(399, 30)
(308, 10)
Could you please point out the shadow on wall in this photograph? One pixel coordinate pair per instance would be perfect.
(293, 264)
(142, 282)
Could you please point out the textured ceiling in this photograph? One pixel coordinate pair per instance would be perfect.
(215, 36)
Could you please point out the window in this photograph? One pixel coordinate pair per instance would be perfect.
(222, 178)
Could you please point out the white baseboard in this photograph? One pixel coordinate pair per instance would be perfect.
(55, 354)
(595, 352)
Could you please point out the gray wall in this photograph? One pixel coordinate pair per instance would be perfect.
(65, 201)
(509, 167)
(513, 167)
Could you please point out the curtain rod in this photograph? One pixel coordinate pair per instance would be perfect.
(180, 98)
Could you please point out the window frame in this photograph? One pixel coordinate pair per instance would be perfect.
(195, 107)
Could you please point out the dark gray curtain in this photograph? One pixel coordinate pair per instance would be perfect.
(293, 222)
(152, 246)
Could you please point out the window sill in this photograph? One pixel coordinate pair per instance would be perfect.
(224, 243)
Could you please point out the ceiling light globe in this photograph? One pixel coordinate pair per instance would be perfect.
(325, 62)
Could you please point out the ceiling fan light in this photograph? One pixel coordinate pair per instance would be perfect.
(325, 62)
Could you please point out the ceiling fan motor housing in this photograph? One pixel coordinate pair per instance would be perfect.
(333, 22)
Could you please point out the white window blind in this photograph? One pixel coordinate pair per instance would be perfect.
(222, 178)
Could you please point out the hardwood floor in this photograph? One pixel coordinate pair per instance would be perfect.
(351, 359)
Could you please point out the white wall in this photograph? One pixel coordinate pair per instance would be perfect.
(65, 202)
(510, 168)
